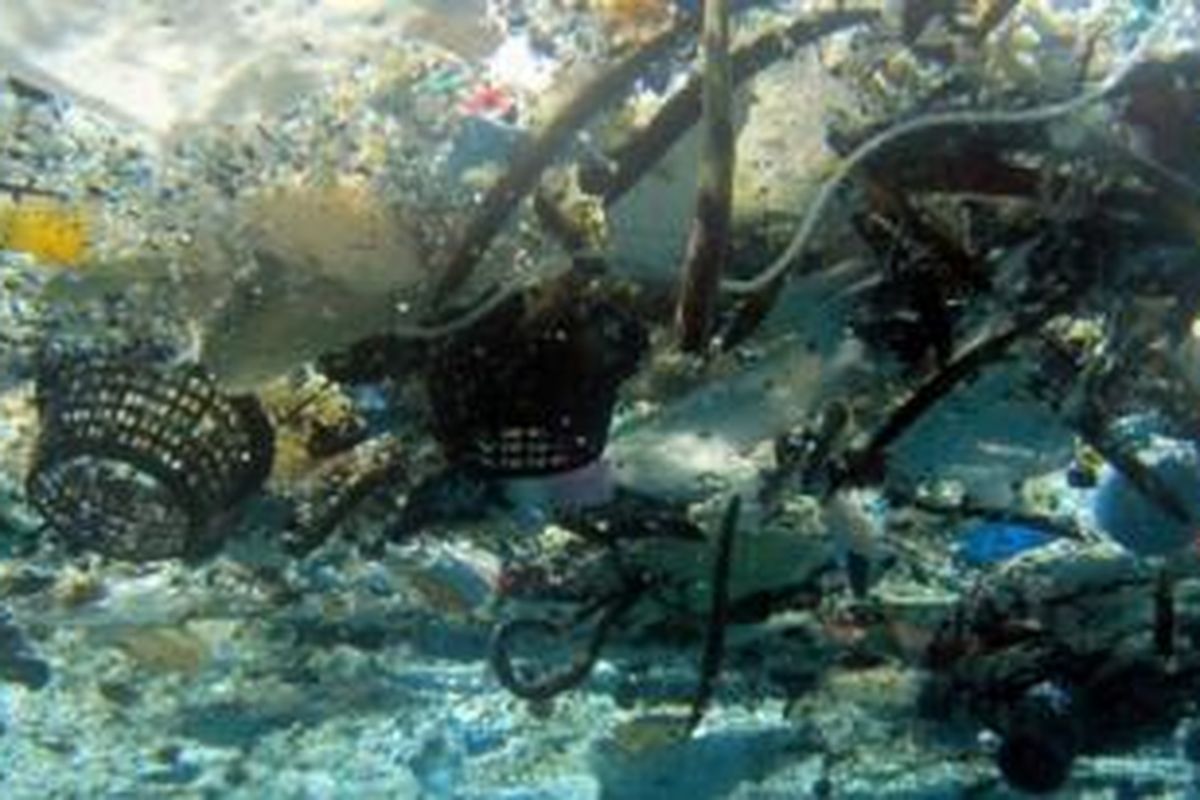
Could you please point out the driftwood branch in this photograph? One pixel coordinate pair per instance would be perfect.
(708, 247)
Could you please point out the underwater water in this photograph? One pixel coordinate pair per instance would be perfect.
(599, 399)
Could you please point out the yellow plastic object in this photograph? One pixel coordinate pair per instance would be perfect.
(53, 232)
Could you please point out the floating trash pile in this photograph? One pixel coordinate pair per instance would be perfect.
(544, 399)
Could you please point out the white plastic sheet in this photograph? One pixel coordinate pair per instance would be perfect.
(159, 64)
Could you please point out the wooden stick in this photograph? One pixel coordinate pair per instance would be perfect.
(708, 246)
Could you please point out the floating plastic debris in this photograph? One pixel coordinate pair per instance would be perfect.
(991, 543)
(54, 233)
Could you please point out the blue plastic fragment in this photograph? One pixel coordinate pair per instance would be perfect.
(994, 542)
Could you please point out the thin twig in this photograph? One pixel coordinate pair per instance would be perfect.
(709, 244)
(993, 16)
(1166, 622)
(718, 615)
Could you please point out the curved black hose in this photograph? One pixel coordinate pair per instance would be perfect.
(557, 681)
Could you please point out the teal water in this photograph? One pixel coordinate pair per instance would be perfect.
(529, 399)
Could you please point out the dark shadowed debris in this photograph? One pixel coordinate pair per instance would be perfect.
(232, 724)
(1042, 740)
(18, 661)
(630, 516)
(452, 495)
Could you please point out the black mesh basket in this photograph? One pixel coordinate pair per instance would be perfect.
(531, 392)
(137, 460)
